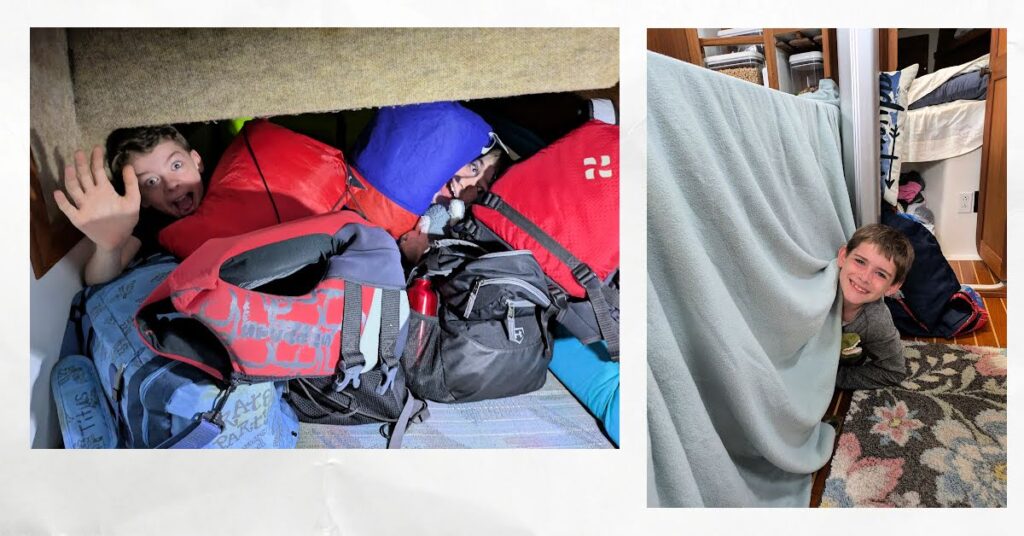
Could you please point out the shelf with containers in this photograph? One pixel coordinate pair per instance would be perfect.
(793, 60)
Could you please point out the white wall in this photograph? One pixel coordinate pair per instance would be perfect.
(49, 299)
(944, 180)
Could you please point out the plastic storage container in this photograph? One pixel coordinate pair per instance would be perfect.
(740, 32)
(745, 65)
(806, 70)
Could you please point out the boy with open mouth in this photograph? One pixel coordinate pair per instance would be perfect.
(155, 169)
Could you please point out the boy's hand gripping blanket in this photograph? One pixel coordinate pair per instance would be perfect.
(747, 208)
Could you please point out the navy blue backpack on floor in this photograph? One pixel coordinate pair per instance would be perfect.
(149, 400)
(931, 302)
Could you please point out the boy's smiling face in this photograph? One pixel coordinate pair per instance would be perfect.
(865, 275)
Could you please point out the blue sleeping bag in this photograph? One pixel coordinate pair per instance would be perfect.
(411, 151)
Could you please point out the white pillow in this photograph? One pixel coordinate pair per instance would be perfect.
(894, 87)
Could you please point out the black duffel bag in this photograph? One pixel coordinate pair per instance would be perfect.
(490, 338)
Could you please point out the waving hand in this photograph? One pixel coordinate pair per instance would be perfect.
(95, 208)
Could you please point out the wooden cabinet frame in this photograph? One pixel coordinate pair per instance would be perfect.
(685, 44)
(49, 240)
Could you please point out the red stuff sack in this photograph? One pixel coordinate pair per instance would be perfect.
(562, 204)
(268, 175)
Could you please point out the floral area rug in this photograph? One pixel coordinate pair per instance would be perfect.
(937, 440)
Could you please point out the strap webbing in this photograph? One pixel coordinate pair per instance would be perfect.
(408, 412)
(390, 318)
(580, 271)
(203, 429)
(390, 310)
(199, 433)
(350, 366)
(351, 326)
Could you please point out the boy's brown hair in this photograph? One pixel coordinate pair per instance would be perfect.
(124, 142)
(891, 243)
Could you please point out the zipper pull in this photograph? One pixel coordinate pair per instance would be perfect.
(514, 334)
(472, 298)
(117, 383)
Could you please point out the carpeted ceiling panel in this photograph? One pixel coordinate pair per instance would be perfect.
(140, 76)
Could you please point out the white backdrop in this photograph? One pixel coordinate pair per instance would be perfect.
(428, 492)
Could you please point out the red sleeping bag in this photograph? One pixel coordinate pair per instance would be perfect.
(268, 175)
(563, 205)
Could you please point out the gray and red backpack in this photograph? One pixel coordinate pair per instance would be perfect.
(562, 204)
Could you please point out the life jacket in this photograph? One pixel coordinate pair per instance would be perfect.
(317, 297)
(563, 205)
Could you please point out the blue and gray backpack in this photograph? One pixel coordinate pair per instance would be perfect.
(134, 398)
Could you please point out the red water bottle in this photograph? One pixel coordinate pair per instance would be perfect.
(422, 297)
(423, 300)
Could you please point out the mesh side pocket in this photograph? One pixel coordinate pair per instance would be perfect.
(421, 359)
(315, 400)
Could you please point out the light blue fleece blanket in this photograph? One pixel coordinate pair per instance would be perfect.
(747, 207)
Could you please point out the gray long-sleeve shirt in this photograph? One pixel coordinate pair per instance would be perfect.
(881, 363)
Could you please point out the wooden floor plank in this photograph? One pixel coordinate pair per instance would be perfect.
(982, 275)
(958, 268)
(985, 337)
(997, 319)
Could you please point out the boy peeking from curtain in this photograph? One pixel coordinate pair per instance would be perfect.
(872, 265)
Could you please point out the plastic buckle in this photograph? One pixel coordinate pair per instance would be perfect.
(490, 200)
(214, 417)
(389, 378)
(583, 274)
(351, 376)
(465, 229)
(559, 298)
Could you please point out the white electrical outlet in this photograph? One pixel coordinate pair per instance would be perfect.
(965, 202)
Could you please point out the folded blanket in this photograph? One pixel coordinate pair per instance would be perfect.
(747, 208)
(966, 86)
(925, 85)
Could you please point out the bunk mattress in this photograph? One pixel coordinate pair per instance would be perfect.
(943, 130)
(548, 418)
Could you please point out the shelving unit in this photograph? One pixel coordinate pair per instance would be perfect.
(687, 45)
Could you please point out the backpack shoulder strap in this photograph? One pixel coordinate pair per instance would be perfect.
(583, 274)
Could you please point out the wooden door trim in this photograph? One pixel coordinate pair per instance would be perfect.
(48, 241)
(995, 260)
